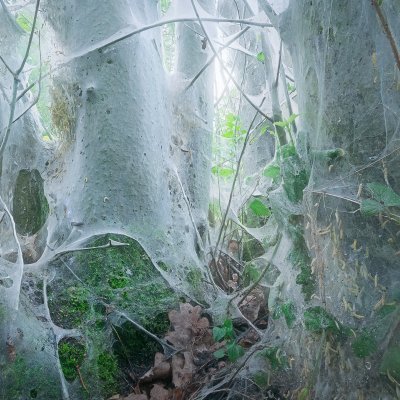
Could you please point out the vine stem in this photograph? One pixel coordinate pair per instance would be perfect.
(387, 31)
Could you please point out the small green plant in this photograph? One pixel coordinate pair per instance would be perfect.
(227, 334)
(276, 358)
(288, 310)
(382, 200)
(318, 320)
(287, 125)
(291, 88)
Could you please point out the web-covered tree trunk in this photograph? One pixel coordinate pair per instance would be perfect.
(343, 230)
(103, 213)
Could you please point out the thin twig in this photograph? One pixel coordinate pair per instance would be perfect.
(28, 48)
(209, 62)
(279, 65)
(224, 67)
(16, 82)
(387, 31)
(7, 66)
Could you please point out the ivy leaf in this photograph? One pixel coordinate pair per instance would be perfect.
(371, 207)
(24, 23)
(282, 124)
(234, 351)
(384, 194)
(228, 326)
(261, 56)
(287, 150)
(259, 208)
(218, 333)
(219, 354)
(272, 171)
(292, 118)
(223, 172)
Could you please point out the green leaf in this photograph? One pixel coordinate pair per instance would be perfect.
(287, 150)
(379, 2)
(384, 194)
(228, 326)
(219, 354)
(223, 172)
(292, 118)
(261, 56)
(272, 171)
(218, 333)
(371, 207)
(317, 319)
(282, 124)
(364, 345)
(275, 358)
(288, 310)
(251, 274)
(259, 208)
(234, 351)
(24, 22)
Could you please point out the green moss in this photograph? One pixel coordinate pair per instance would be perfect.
(30, 206)
(118, 282)
(24, 380)
(300, 259)
(364, 345)
(71, 354)
(107, 365)
(68, 305)
(317, 320)
(391, 363)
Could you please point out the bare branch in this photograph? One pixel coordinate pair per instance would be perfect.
(387, 31)
(28, 48)
(224, 67)
(209, 62)
(7, 66)
(271, 14)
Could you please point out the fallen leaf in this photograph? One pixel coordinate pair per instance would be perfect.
(182, 369)
(158, 392)
(252, 304)
(160, 371)
(133, 396)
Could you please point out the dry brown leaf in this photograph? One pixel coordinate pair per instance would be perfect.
(160, 371)
(115, 397)
(252, 304)
(187, 324)
(178, 394)
(133, 396)
(182, 369)
(159, 393)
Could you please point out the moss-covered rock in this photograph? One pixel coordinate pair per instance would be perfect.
(30, 206)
